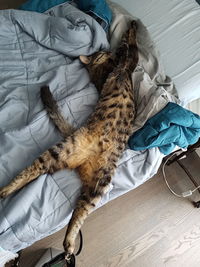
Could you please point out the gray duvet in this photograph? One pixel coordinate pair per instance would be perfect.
(38, 49)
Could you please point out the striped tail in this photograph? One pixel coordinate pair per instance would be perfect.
(52, 108)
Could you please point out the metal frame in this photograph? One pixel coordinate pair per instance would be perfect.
(177, 159)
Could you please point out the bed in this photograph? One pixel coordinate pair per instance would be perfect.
(45, 205)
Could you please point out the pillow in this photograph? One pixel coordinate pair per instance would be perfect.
(41, 5)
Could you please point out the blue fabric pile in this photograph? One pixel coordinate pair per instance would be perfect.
(172, 126)
(97, 9)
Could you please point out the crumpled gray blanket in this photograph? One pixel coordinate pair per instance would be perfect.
(38, 49)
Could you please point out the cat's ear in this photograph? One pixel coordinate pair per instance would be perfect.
(85, 60)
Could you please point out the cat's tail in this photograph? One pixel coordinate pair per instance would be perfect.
(52, 108)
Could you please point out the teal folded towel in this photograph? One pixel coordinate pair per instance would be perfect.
(172, 126)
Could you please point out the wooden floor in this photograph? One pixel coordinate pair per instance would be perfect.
(5, 4)
(147, 227)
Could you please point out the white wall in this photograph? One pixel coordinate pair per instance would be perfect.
(195, 106)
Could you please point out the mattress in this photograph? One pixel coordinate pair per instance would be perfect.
(175, 28)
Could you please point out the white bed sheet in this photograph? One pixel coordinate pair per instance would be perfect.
(175, 28)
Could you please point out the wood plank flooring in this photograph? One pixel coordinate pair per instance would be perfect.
(147, 227)
(5, 4)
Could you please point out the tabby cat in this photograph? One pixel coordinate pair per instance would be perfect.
(95, 148)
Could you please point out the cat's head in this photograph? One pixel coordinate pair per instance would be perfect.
(96, 59)
(99, 65)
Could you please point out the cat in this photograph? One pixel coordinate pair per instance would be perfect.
(94, 149)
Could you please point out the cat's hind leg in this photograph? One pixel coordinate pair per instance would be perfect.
(90, 197)
(46, 163)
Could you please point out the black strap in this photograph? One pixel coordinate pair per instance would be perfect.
(81, 244)
(71, 262)
(55, 260)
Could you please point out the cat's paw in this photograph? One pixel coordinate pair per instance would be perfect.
(69, 247)
(4, 192)
(134, 24)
